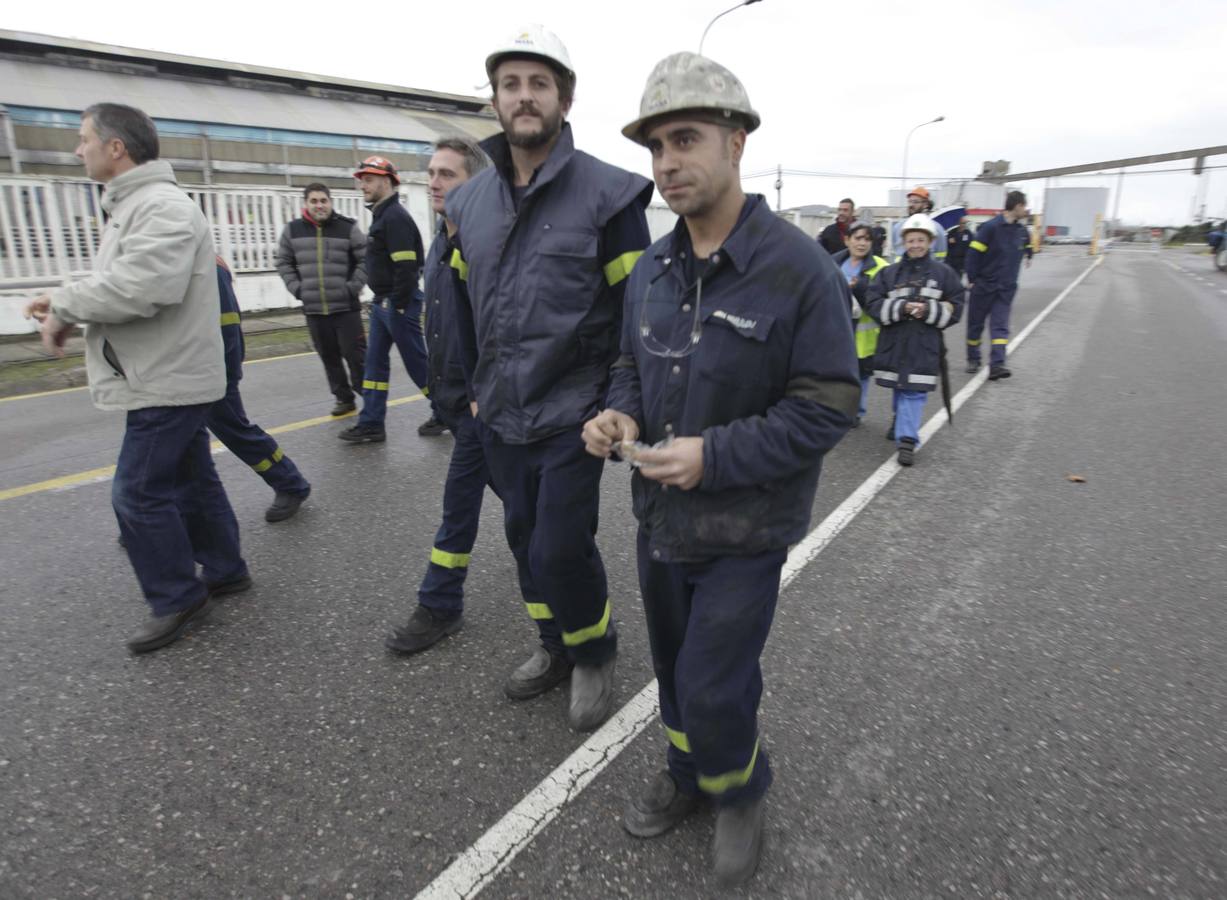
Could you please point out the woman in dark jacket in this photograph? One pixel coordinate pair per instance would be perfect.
(859, 266)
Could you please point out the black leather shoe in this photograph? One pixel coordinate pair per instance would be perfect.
(432, 427)
(364, 434)
(738, 842)
(343, 408)
(658, 808)
(972, 368)
(424, 629)
(230, 585)
(907, 452)
(159, 631)
(890, 434)
(997, 372)
(542, 672)
(285, 505)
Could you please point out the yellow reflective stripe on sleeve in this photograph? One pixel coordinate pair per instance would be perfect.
(539, 611)
(265, 464)
(460, 265)
(404, 255)
(449, 560)
(971, 343)
(230, 318)
(621, 267)
(374, 385)
(718, 784)
(678, 739)
(1001, 340)
(940, 254)
(591, 633)
(976, 245)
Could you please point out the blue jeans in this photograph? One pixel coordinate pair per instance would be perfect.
(172, 509)
(388, 327)
(908, 407)
(866, 380)
(442, 589)
(252, 444)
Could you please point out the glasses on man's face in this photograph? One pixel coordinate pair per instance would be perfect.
(662, 312)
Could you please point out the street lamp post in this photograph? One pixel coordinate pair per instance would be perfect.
(905, 145)
(725, 13)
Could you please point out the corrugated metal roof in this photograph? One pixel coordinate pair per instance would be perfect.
(70, 88)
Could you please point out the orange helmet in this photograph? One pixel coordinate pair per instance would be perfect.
(377, 165)
(922, 192)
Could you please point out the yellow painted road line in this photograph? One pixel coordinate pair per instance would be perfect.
(103, 473)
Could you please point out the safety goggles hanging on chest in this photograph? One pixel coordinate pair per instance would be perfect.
(659, 314)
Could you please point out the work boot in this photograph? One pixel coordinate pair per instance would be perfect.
(364, 434)
(541, 672)
(234, 585)
(907, 451)
(997, 372)
(972, 367)
(343, 408)
(424, 629)
(158, 631)
(738, 842)
(659, 808)
(432, 427)
(592, 694)
(285, 506)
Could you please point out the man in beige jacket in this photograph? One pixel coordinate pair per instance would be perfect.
(153, 348)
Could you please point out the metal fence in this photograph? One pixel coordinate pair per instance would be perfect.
(50, 228)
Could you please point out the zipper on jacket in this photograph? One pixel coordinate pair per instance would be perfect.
(319, 265)
(108, 353)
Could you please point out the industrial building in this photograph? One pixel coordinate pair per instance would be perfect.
(1070, 213)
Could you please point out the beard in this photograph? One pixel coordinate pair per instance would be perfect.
(551, 126)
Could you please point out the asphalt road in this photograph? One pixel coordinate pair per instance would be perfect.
(994, 682)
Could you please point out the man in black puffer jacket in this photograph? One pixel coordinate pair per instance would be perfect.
(321, 260)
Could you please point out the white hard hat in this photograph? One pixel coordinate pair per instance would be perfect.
(919, 222)
(687, 82)
(532, 40)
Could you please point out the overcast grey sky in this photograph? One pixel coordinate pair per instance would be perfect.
(1042, 84)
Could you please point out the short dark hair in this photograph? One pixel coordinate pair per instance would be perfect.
(466, 148)
(847, 200)
(1013, 198)
(565, 80)
(316, 187)
(127, 124)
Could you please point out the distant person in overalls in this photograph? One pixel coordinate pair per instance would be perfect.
(914, 300)
(993, 261)
(737, 354)
(859, 266)
(393, 260)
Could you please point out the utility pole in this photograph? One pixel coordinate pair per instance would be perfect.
(779, 187)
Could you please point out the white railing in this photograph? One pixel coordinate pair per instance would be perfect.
(50, 227)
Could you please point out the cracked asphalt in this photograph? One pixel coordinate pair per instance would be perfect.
(995, 682)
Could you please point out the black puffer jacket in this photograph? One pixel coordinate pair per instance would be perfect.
(323, 264)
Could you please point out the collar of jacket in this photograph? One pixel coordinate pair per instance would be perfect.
(378, 208)
(499, 150)
(124, 185)
(752, 226)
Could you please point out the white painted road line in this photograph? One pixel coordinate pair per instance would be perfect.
(476, 867)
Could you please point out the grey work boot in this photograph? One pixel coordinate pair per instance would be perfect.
(541, 672)
(592, 694)
(738, 842)
(658, 808)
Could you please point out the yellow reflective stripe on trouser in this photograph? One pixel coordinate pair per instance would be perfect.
(718, 784)
(976, 245)
(460, 265)
(678, 739)
(971, 343)
(1001, 340)
(539, 611)
(230, 318)
(619, 268)
(403, 255)
(374, 385)
(265, 464)
(449, 560)
(591, 633)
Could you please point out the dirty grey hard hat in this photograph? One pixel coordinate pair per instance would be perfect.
(687, 82)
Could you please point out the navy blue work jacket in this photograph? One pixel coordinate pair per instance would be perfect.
(393, 252)
(541, 285)
(995, 254)
(771, 385)
(231, 324)
(448, 390)
(909, 350)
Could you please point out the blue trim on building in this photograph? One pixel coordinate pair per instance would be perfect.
(55, 118)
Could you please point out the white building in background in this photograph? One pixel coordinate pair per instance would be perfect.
(1070, 212)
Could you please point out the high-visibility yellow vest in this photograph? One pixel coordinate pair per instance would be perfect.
(867, 328)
